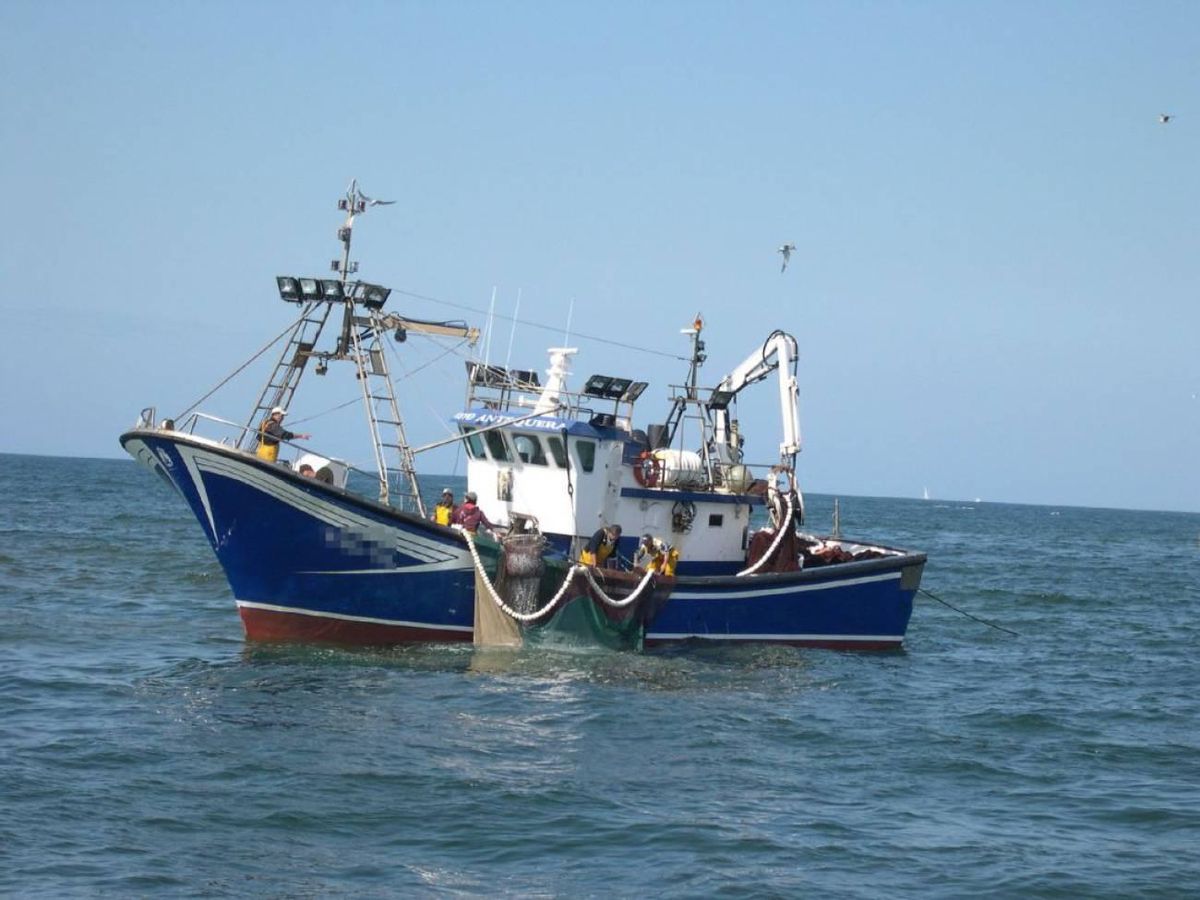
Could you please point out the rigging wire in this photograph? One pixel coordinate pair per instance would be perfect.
(437, 417)
(395, 381)
(538, 325)
(238, 370)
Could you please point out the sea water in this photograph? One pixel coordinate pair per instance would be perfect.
(147, 749)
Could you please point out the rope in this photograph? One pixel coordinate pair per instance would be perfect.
(553, 328)
(617, 604)
(239, 369)
(963, 612)
(562, 590)
(787, 521)
(491, 589)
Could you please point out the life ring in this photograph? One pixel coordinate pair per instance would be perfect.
(647, 470)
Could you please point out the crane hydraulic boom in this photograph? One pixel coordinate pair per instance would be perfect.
(778, 351)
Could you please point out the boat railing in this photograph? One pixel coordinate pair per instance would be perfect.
(195, 420)
(516, 399)
(706, 476)
(231, 435)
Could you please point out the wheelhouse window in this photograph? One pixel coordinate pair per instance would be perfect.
(558, 451)
(497, 446)
(529, 449)
(474, 444)
(586, 452)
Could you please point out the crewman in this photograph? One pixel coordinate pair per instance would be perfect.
(444, 511)
(271, 432)
(469, 515)
(601, 546)
(656, 555)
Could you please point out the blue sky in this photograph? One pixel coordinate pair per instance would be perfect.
(996, 282)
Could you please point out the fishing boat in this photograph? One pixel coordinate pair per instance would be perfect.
(312, 556)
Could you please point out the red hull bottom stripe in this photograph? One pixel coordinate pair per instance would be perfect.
(276, 625)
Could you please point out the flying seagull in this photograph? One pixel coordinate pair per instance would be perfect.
(371, 202)
(354, 193)
(1164, 118)
(785, 251)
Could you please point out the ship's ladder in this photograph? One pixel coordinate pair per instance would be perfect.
(286, 376)
(383, 413)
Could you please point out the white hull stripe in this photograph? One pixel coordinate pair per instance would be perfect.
(191, 464)
(427, 550)
(345, 618)
(759, 593)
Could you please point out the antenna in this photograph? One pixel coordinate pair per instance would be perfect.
(354, 203)
(513, 332)
(487, 344)
(570, 315)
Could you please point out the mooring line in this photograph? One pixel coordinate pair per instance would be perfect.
(963, 612)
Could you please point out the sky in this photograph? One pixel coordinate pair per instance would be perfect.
(994, 290)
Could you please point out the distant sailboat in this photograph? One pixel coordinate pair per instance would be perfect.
(925, 496)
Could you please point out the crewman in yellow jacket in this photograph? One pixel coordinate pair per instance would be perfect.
(444, 510)
(271, 432)
(601, 546)
(656, 555)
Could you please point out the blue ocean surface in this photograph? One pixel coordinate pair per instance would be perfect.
(147, 749)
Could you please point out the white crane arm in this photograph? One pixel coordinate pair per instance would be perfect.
(779, 351)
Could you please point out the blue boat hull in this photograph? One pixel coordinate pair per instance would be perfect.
(310, 562)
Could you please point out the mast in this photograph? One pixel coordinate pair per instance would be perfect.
(361, 340)
(691, 391)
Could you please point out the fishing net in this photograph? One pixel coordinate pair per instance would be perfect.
(518, 582)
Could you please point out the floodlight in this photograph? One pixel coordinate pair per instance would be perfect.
(376, 295)
(721, 399)
(616, 390)
(343, 204)
(310, 290)
(597, 385)
(487, 376)
(289, 288)
(332, 289)
(634, 391)
(526, 376)
(610, 387)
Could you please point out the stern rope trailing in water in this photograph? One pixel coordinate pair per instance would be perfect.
(963, 612)
(562, 590)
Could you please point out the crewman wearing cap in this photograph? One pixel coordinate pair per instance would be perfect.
(443, 513)
(601, 546)
(271, 432)
(470, 516)
(656, 555)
